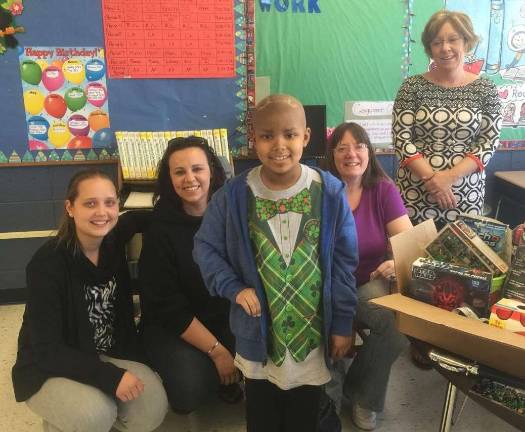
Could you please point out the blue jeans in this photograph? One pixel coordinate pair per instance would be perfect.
(189, 375)
(367, 378)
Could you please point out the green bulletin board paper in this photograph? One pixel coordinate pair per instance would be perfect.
(423, 10)
(351, 50)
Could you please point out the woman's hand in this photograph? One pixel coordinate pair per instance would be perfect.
(439, 186)
(339, 346)
(129, 388)
(386, 270)
(249, 302)
(223, 360)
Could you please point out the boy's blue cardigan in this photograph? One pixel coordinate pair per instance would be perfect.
(224, 254)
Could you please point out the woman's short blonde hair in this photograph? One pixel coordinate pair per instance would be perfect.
(461, 23)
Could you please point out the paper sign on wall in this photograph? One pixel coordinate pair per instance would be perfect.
(375, 117)
(169, 39)
(65, 98)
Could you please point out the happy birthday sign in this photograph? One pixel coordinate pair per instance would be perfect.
(65, 98)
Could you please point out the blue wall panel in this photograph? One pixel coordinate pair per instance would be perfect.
(134, 104)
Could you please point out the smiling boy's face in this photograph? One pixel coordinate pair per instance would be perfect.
(280, 137)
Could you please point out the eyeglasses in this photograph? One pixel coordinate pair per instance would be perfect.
(344, 149)
(453, 41)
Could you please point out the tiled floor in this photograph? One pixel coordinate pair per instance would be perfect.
(414, 400)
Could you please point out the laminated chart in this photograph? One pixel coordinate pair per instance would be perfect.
(65, 98)
(169, 38)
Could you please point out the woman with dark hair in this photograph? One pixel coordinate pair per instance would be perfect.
(185, 331)
(379, 213)
(77, 351)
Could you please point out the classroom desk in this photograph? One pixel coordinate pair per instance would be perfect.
(464, 382)
(510, 190)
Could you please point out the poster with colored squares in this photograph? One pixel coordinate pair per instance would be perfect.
(65, 98)
(169, 39)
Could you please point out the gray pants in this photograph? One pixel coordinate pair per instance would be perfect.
(367, 378)
(67, 405)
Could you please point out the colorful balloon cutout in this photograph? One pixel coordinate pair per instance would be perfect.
(74, 71)
(75, 98)
(79, 142)
(33, 101)
(96, 94)
(59, 134)
(57, 63)
(38, 127)
(52, 78)
(42, 63)
(98, 119)
(55, 105)
(104, 138)
(95, 69)
(78, 125)
(37, 145)
(30, 72)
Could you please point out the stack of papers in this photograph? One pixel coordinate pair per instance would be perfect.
(139, 200)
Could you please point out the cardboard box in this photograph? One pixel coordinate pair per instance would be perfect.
(509, 314)
(491, 346)
(449, 286)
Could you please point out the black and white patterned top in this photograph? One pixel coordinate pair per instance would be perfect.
(445, 125)
(101, 311)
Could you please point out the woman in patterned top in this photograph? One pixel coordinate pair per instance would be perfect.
(446, 125)
(76, 365)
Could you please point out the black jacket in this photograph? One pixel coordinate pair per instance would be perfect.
(172, 291)
(57, 338)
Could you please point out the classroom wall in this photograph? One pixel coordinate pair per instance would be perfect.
(32, 200)
(32, 196)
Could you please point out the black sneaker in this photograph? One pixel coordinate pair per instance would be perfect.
(231, 393)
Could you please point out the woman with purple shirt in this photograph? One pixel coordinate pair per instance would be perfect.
(379, 213)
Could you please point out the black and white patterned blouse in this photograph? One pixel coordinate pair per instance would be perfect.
(445, 125)
(101, 310)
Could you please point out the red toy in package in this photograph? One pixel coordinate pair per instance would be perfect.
(509, 314)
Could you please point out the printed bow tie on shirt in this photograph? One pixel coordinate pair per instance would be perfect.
(300, 203)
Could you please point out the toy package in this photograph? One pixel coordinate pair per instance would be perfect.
(491, 231)
(509, 314)
(458, 244)
(515, 283)
(451, 287)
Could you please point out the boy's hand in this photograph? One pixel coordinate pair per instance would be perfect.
(339, 346)
(249, 302)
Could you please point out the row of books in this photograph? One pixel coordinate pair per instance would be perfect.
(140, 152)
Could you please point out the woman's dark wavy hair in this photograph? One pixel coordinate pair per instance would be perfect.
(374, 171)
(67, 233)
(164, 186)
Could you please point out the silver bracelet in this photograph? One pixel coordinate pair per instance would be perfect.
(213, 347)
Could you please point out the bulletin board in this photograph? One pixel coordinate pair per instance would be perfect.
(132, 104)
(352, 50)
